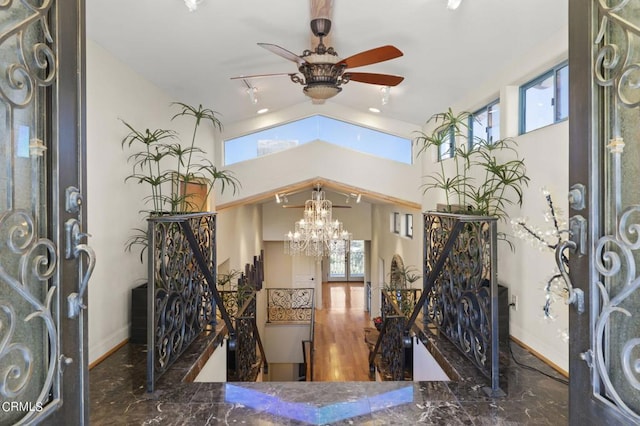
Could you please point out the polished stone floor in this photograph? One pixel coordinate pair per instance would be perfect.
(118, 397)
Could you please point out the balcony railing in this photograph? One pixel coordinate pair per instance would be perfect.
(461, 289)
(292, 305)
(181, 290)
(390, 353)
(245, 359)
(246, 355)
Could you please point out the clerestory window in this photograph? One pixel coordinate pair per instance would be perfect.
(317, 127)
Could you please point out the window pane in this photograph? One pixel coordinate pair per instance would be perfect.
(356, 259)
(317, 127)
(562, 93)
(445, 150)
(538, 104)
(479, 127)
(337, 265)
(494, 123)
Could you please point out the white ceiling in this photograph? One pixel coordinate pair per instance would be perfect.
(192, 55)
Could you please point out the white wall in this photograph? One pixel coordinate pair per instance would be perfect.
(277, 221)
(114, 92)
(283, 342)
(385, 244)
(325, 160)
(239, 235)
(546, 156)
(215, 369)
(425, 366)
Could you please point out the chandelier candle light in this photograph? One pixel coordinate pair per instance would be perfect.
(316, 234)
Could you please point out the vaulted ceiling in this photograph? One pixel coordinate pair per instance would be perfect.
(193, 55)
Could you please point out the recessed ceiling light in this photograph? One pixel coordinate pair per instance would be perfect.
(376, 110)
(453, 4)
(263, 110)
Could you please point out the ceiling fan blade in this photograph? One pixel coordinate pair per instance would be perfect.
(372, 78)
(278, 74)
(281, 51)
(373, 56)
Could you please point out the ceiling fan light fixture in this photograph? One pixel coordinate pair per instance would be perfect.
(321, 91)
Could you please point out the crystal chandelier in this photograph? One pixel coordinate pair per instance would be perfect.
(317, 234)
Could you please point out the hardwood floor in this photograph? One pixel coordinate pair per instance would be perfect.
(341, 355)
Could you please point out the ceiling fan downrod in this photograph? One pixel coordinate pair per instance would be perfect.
(320, 28)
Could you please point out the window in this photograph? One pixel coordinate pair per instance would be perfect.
(484, 124)
(446, 148)
(545, 100)
(317, 127)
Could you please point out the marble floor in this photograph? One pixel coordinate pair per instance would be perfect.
(118, 397)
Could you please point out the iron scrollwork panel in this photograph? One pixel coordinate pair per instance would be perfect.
(392, 350)
(27, 373)
(290, 304)
(615, 351)
(246, 351)
(29, 334)
(183, 303)
(459, 301)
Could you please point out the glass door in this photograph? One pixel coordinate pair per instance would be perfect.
(604, 170)
(42, 342)
(347, 265)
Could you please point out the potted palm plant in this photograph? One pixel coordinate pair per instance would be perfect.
(171, 169)
(486, 177)
(180, 178)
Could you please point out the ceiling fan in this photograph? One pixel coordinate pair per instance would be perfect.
(323, 72)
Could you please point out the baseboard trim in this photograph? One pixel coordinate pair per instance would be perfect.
(108, 353)
(540, 357)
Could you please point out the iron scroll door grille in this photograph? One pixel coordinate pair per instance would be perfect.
(43, 345)
(604, 65)
(461, 288)
(181, 292)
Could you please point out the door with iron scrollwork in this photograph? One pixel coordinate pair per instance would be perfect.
(44, 261)
(604, 171)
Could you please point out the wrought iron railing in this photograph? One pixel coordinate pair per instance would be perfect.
(290, 305)
(393, 341)
(179, 298)
(461, 289)
(247, 356)
(181, 289)
(308, 348)
(229, 299)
